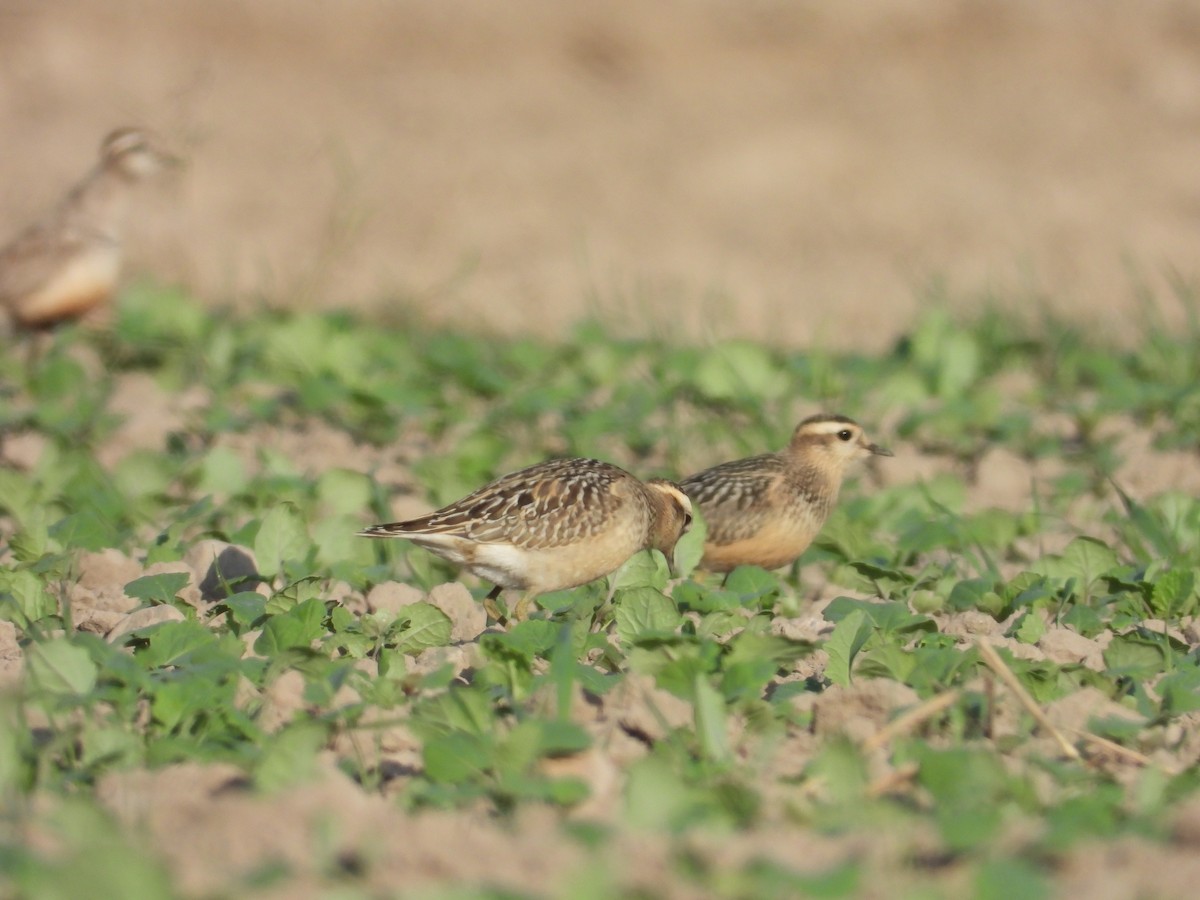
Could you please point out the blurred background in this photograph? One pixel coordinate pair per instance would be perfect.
(791, 171)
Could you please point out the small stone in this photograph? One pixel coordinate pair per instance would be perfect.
(1062, 645)
(143, 618)
(466, 613)
(282, 699)
(392, 596)
(222, 569)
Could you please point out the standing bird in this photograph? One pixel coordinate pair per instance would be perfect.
(68, 263)
(552, 526)
(766, 510)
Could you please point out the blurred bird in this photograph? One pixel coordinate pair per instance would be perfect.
(766, 510)
(67, 264)
(552, 526)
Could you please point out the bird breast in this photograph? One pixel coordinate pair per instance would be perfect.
(85, 281)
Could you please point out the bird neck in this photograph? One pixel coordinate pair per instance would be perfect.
(662, 531)
(817, 484)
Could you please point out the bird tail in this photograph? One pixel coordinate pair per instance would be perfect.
(392, 529)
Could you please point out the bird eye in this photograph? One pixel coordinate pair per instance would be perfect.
(844, 434)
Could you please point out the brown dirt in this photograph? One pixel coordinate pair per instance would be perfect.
(783, 171)
(789, 171)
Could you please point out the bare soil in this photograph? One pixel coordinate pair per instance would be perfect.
(786, 171)
(796, 172)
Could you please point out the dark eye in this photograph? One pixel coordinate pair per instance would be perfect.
(687, 519)
(844, 434)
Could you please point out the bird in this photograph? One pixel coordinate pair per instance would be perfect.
(67, 264)
(766, 510)
(551, 526)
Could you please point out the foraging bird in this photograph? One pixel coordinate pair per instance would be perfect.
(68, 263)
(552, 526)
(766, 510)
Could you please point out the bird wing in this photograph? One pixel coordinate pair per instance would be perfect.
(37, 255)
(548, 505)
(735, 497)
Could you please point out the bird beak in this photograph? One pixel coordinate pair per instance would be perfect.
(879, 451)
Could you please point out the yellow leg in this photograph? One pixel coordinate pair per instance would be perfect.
(521, 610)
(489, 604)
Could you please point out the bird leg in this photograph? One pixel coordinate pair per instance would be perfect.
(521, 610)
(489, 604)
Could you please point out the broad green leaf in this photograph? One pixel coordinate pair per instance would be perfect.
(646, 569)
(1133, 656)
(158, 589)
(295, 629)
(656, 796)
(754, 586)
(1085, 559)
(424, 626)
(222, 472)
(246, 607)
(98, 859)
(467, 709)
(345, 492)
(1030, 629)
(690, 548)
(60, 668)
(739, 370)
(1180, 692)
(24, 598)
(171, 642)
(843, 645)
(18, 494)
(281, 536)
(457, 757)
(1003, 879)
(289, 757)
(966, 786)
(1174, 593)
(643, 612)
(958, 367)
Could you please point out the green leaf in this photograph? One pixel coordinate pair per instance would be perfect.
(295, 629)
(1133, 656)
(843, 645)
(457, 757)
(753, 585)
(158, 589)
(738, 370)
(24, 598)
(1085, 559)
(425, 626)
(60, 668)
(645, 569)
(1180, 692)
(345, 492)
(246, 607)
(644, 613)
(711, 727)
(289, 757)
(222, 472)
(689, 550)
(282, 536)
(1174, 594)
(171, 642)
(1030, 629)
(1003, 879)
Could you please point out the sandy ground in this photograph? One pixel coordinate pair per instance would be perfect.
(790, 170)
(784, 170)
